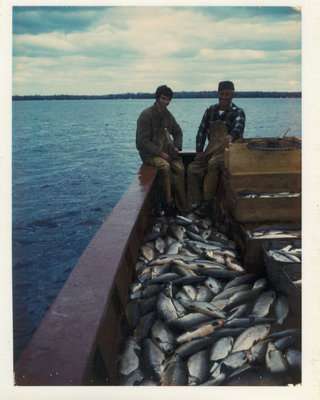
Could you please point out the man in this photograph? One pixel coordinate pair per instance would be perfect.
(221, 124)
(155, 126)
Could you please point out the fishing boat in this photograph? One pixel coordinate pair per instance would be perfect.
(79, 339)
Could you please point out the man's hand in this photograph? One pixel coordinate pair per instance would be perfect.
(165, 156)
(226, 140)
(199, 156)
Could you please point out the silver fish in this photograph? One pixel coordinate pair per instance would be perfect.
(163, 337)
(128, 359)
(189, 321)
(233, 264)
(166, 308)
(263, 303)
(251, 336)
(275, 360)
(221, 348)
(175, 248)
(281, 309)
(176, 231)
(203, 307)
(204, 293)
(160, 245)
(175, 373)
(293, 357)
(214, 285)
(153, 359)
(198, 367)
(258, 352)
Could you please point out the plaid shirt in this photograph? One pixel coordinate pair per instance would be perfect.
(235, 125)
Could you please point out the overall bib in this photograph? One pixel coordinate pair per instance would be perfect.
(203, 175)
(171, 174)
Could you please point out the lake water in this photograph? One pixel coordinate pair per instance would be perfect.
(72, 161)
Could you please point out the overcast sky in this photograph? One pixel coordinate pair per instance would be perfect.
(103, 50)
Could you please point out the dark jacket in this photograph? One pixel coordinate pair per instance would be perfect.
(150, 131)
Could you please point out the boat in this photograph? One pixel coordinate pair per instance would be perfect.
(79, 339)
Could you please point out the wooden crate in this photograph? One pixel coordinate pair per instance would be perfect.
(251, 249)
(265, 209)
(239, 159)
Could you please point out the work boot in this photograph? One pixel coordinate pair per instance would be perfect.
(169, 210)
(205, 209)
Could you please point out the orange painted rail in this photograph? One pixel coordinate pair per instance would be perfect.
(78, 340)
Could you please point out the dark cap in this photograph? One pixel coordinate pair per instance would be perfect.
(225, 85)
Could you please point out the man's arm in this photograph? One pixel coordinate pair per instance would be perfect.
(239, 124)
(144, 136)
(202, 132)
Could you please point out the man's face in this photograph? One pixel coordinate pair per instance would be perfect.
(163, 102)
(225, 97)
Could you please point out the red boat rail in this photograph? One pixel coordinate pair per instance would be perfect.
(78, 340)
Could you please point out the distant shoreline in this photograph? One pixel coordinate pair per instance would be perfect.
(177, 95)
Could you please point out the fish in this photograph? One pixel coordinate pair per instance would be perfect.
(176, 231)
(189, 321)
(128, 359)
(242, 280)
(165, 308)
(198, 367)
(227, 293)
(203, 307)
(203, 330)
(275, 360)
(163, 337)
(143, 328)
(281, 309)
(221, 348)
(160, 245)
(214, 285)
(153, 359)
(238, 311)
(233, 264)
(175, 373)
(293, 357)
(251, 336)
(263, 303)
(258, 351)
(241, 297)
(204, 293)
(175, 247)
(147, 252)
(133, 314)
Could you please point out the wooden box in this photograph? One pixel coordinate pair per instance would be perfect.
(251, 248)
(265, 209)
(239, 159)
(261, 209)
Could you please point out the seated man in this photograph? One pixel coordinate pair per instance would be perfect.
(221, 124)
(155, 126)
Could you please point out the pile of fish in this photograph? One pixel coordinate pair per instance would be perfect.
(195, 317)
(274, 232)
(286, 254)
(251, 194)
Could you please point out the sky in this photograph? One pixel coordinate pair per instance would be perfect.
(120, 49)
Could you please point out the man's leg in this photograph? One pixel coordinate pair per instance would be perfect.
(178, 181)
(196, 173)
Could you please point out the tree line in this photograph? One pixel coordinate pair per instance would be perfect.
(141, 95)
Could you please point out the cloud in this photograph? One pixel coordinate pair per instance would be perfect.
(135, 48)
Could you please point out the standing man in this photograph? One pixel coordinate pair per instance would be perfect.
(221, 124)
(155, 126)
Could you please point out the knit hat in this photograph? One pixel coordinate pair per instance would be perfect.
(225, 85)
